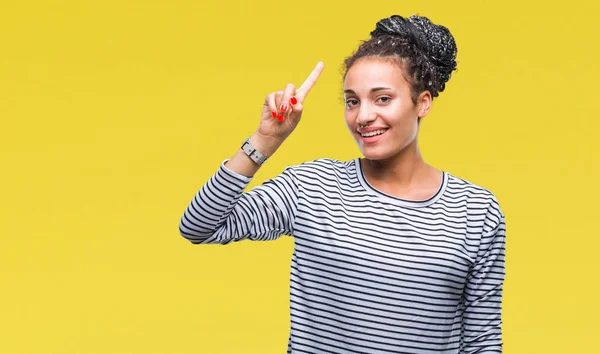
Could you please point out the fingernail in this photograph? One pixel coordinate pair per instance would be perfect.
(274, 114)
(293, 100)
(280, 117)
(283, 107)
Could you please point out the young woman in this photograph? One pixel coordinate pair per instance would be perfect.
(391, 255)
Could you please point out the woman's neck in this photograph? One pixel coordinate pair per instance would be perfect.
(405, 175)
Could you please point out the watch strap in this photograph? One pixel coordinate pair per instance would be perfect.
(254, 154)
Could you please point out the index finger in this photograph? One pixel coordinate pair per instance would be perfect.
(310, 81)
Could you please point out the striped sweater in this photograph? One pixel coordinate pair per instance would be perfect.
(371, 273)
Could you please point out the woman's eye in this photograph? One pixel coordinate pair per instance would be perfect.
(350, 103)
(384, 99)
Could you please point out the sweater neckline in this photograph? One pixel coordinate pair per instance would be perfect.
(395, 200)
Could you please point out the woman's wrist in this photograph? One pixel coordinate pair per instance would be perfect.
(266, 145)
(242, 164)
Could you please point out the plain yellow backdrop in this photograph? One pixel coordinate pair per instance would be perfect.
(114, 113)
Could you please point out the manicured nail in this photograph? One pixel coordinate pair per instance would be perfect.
(283, 107)
(293, 100)
(280, 117)
(274, 114)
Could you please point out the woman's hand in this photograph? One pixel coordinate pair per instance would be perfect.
(282, 110)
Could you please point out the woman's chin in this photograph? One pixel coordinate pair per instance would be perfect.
(375, 154)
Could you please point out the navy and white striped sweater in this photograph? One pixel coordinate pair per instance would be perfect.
(370, 273)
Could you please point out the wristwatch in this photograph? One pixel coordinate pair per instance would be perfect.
(254, 154)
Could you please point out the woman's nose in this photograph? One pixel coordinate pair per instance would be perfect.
(365, 118)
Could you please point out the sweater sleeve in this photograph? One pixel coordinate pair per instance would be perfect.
(482, 322)
(222, 213)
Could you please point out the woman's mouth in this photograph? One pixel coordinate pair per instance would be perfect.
(373, 136)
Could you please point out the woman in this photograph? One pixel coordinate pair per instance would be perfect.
(391, 255)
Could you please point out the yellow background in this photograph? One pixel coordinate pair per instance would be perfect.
(114, 113)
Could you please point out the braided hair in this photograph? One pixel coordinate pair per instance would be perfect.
(426, 51)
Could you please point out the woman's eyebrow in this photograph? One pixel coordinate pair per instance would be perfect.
(374, 89)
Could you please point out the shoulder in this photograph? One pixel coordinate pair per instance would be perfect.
(482, 203)
(461, 186)
(475, 193)
(325, 172)
(326, 166)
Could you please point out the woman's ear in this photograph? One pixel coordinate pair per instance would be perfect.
(424, 103)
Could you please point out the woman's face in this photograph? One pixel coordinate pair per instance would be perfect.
(378, 96)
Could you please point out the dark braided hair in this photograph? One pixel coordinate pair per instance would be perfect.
(426, 51)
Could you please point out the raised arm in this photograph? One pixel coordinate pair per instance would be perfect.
(221, 212)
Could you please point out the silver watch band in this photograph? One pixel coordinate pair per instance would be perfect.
(254, 154)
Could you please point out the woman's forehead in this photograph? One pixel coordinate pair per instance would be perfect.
(368, 73)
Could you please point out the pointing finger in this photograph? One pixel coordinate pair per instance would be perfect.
(310, 81)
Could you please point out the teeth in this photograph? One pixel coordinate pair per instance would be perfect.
(376, 132)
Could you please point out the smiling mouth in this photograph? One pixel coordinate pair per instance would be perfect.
(373, 133)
